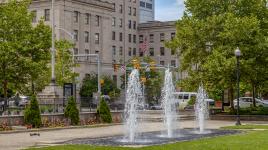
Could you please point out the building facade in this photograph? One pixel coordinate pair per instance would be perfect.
(111, 29)
(147, 11)
(153, 35)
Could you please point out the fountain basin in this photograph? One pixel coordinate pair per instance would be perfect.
(152, 138)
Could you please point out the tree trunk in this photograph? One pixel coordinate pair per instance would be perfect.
(231, 97)
(253, 94)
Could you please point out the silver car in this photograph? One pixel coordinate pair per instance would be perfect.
(248, 101)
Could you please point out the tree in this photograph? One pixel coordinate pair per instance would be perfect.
(24, 49)
(104, 112)
(64, 63)
(32, 113)
(227, 25)
(72, 112)
(90, 86)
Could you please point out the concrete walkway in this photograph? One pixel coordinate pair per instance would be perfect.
(23, 140)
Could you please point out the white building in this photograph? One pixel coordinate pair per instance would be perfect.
(147, 11)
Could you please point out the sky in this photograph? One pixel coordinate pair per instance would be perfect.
(167, 10)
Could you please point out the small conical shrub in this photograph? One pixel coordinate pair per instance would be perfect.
(104, 112)
(72, 112)
(32, 113)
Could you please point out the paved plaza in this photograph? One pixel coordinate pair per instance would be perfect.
(23, 140)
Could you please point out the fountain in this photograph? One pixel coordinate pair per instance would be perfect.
(201, 109)
(169, 105)
(134, 101)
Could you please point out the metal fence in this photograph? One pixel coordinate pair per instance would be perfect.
(54, 105)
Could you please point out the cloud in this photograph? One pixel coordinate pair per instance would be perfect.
(173, 11)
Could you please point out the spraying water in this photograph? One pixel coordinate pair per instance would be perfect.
(134, 101)
(201, 109)
(168, 104)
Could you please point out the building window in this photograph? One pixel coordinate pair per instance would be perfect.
(97, 52)
(113, 21)
(129, 51)
(129, 24)
(134, 52)
(76, 16)
(113, 35)
(142, 4)
(76, 51)
(173, 51)
(134, 11)
(121, 36)
(134, 25)
(121, 51)
(141, 53)
(162, 63)
(97, 38)
(34, 13)
(115, 79)
(76, 35)
(129, 10)
(149, 6)
(114, 50)
(151, 38)
(151, 51)
(141, 39)
(87, 18)
(121, 9)
(162, 51)
(87, 52)
(129, 38)
(172, 35)
(134, 38)
(47, 14)
(121, 23)
(173, 63)
(86, 36)
(97, 20)
(162, 37)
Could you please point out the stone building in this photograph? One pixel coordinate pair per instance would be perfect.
(147, 11)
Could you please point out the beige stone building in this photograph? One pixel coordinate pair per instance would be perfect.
(109, 28)
(87, 23)
(153, 35)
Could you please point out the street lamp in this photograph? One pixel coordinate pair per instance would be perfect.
(237, 55)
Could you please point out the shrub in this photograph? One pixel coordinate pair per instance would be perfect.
(104, 112)
(72, 112)
(192, 101)
(32, 114)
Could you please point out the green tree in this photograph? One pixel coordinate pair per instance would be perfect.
(89, 85)
(32, 113)
(71, 111)
(64, 63)
(104, 112)
(226, 25)
(24, 49)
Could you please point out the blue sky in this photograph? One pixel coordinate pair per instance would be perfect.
(167, 10)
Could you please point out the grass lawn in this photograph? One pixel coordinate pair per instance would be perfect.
(247, 127)
(251, 140)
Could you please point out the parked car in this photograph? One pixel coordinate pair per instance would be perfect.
(248, 101)
(156, 107)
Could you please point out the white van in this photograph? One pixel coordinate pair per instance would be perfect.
(183, 98)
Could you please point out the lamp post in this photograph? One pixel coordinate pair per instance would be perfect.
(237, 55)
(53, 78)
